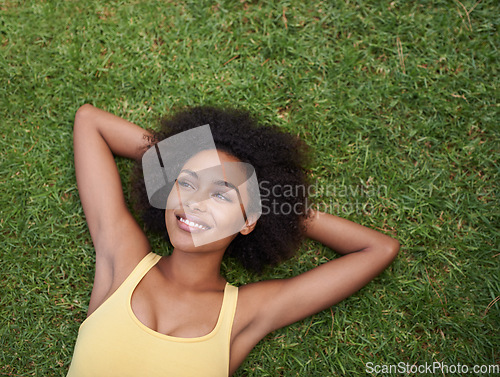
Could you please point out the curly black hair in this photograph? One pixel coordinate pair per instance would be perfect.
(279, 160)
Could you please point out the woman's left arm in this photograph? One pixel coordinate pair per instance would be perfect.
(365, 254)
(346, 237)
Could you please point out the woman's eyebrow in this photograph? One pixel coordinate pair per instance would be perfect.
(219, 182)
(226, 184)
(190, 172)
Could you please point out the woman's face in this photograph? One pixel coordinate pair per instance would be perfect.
(205, 208)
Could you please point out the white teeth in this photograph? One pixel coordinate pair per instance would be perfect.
(192, 224)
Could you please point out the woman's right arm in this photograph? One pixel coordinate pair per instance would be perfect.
(118, 240)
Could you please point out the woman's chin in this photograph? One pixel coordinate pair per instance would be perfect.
(197, 243)
(189, 242)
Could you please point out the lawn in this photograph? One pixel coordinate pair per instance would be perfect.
(398, 101)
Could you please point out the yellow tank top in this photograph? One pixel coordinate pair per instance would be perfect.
(113, 342)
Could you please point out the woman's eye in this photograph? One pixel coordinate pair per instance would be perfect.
(184, 184)
(221, 196)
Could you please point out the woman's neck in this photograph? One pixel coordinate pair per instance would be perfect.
(194, 271)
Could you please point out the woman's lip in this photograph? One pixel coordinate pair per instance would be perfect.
(191, 223)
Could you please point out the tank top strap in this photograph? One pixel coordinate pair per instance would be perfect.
(228, 309)
(141, 269)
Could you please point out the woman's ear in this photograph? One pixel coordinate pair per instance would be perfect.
(249, 225)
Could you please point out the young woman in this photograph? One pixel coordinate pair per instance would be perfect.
(176, 315)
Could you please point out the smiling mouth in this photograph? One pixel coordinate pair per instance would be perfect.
(192, 224)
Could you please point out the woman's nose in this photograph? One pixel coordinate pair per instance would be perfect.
(196, 206)
(197, 201)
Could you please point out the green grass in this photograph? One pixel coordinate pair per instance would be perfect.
(399, 98)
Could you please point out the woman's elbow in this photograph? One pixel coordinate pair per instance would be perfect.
(392, 247)
(82, 113)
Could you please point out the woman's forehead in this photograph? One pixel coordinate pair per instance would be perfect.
(213, 165)
(209, 158)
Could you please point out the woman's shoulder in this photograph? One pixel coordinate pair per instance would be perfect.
(248, 329)
(111, 270)
(252, 300)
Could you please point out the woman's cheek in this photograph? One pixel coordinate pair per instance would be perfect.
(230, 219)
(173, 199)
